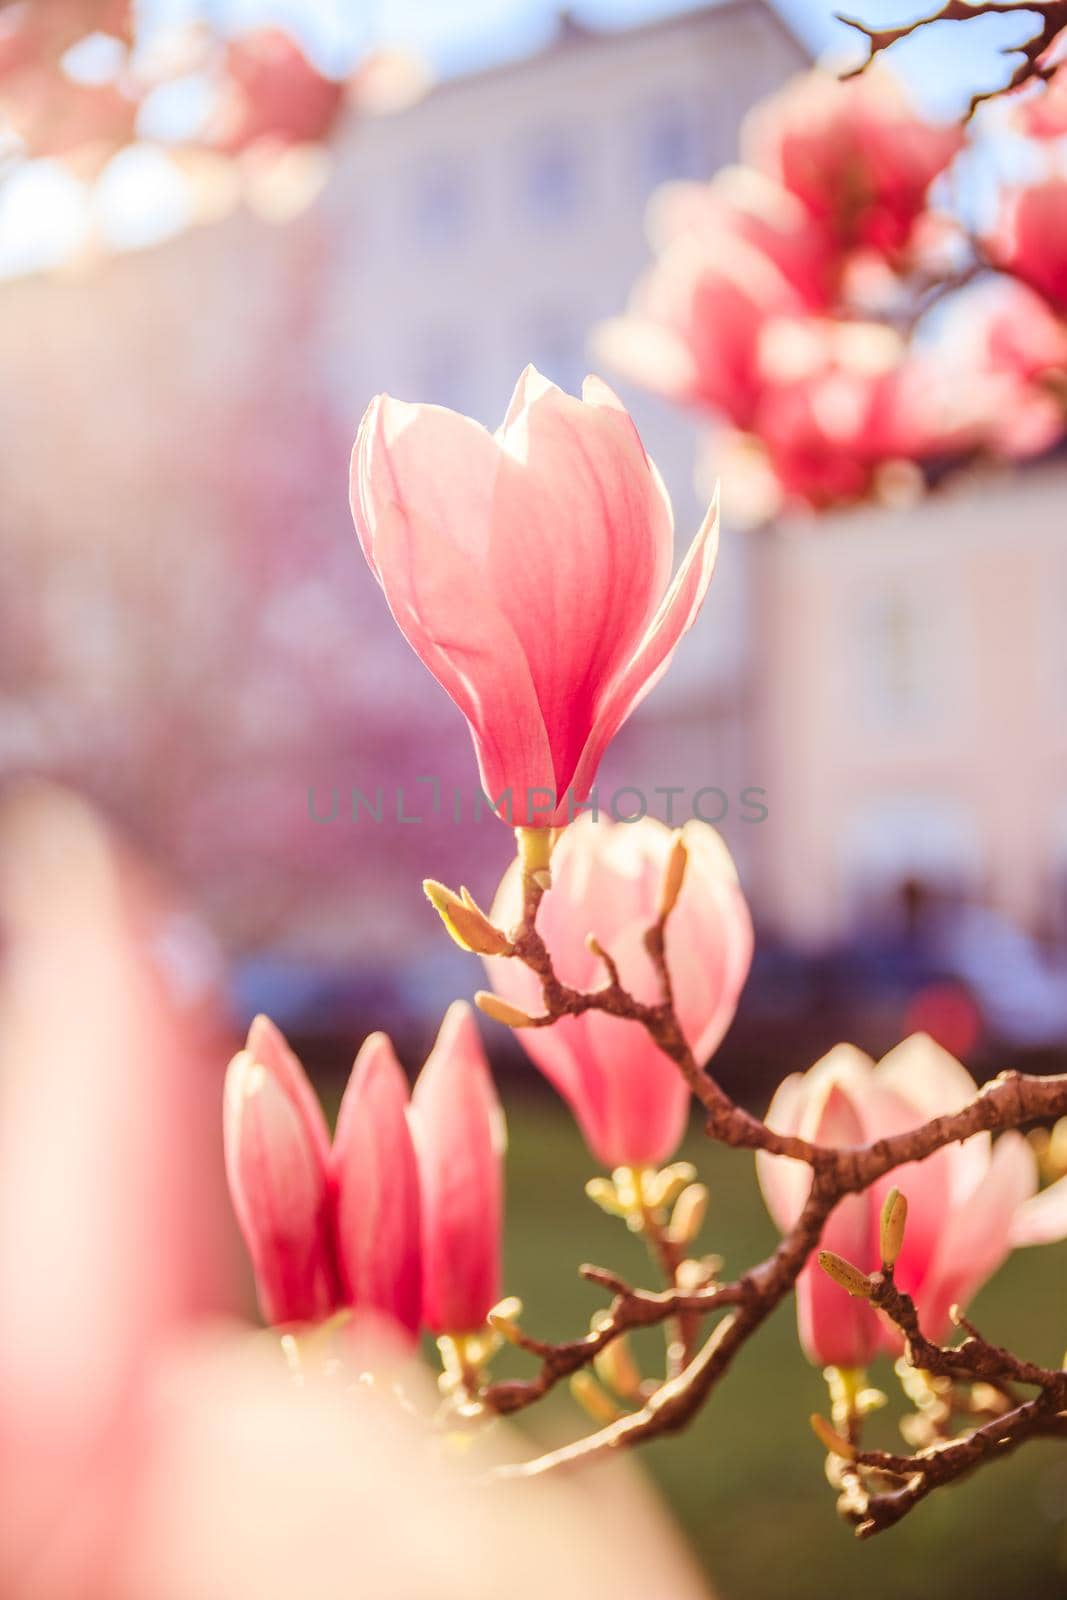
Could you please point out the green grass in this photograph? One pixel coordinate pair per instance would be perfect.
(746, 1480)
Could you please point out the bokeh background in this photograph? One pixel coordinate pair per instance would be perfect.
(189, 636)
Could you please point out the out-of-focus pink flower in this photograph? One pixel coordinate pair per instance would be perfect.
(842, 400)
(138, 1455)
(741, 203)
(530, 571)
(114, 1230)
(694, 322)
(277, 1150)
(377, 1190)
(1030, 239)
(258, 1486)
(1043, 115)
(459, 1134)
(272, 92)
(856, 153)
(631, 1102)
(963, 1201)
(1009, 351)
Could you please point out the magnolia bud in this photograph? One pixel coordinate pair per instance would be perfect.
(689, 1212)
(592, 1398)
(673, 878)
(830, 1439)
(603, 1193)
(615, 1366)
(466, 921)
(894, 1216)
(844, 1273)
(501, 1011)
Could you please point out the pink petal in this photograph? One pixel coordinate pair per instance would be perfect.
(376, 1205)
(453, 623)
(977, 1234)
(458, 1127)
(675, 617)
(431, 463)
(581, 545)
(278, 1184)
(835, 1329)
(1042, 1219)
(268, 1045)
(784, 1183)
(927, 1078)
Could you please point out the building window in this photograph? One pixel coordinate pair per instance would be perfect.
(671, 145)
(442, 206)
(550, 184)
(898, 657)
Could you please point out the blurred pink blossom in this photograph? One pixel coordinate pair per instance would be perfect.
(144, 1450)
(1030, 238)
(856, 153)
(631, 1102)
(843, 400)
(114, 1231)
(530, 571)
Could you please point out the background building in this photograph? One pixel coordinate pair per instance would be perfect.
(204, 647)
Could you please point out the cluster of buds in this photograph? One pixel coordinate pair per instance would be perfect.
(399, 1216)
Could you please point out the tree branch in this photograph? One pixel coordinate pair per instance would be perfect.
(1053, 20)
(1009, 1101)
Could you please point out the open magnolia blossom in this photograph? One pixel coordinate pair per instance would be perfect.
(631, 1102)
(967, 1204)
(380, 1224)
(530, 570)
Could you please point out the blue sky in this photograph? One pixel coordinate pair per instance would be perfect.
(943, 63)
(44, 211)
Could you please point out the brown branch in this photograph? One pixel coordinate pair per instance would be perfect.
(976, 1360)
(631, 1309)
(1053, 15)
(1009, 1101)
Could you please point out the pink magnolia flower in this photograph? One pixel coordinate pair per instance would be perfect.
(1044, 115)
(458, 1126)
(841, 400)
(741, 203)
(529, 569)
(325, 1227)
(964, 1202)
(694, 322)
(1010, 353)
(631, 1102)
(277, 1153)
(856, 153)
(272, 94)
(1030, 239)
(376, 1185)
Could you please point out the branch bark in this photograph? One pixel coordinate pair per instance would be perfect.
(1009, 1101)
(1053, 20)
